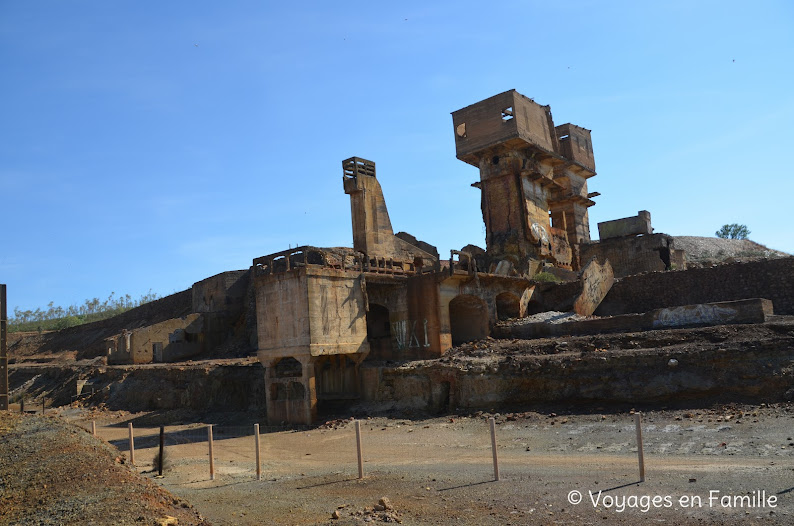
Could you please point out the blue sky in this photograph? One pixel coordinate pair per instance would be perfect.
(148, 145)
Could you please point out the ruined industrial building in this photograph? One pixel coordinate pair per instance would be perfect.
(331, 326)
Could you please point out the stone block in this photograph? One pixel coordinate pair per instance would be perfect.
(597, 279)
(627, 226)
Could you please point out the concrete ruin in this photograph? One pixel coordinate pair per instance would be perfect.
(631, 247)
(533, 178)
(217, 303)
(331, 325)
(168, 341)
(322, 311)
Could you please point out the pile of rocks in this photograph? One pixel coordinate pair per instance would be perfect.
(383, 511)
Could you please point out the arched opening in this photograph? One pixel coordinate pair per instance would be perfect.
(468, 319)
(378, 332)
(287, 368)
(508, 306)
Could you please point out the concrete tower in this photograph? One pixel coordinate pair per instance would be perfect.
(533, 178)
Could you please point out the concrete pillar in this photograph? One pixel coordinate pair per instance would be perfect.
(310, 391)
(302, 411)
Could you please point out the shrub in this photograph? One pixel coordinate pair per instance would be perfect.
(546, 277)
(733, 231)
(156, 461)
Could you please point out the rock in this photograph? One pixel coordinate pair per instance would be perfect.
(335, 514)
(386, 503)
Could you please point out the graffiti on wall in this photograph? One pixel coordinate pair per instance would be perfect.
(405, 333)
(693, 315)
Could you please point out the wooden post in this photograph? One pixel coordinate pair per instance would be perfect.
(640, 456)
(258, 461)
(42, 406)
(93, 427)
(22, 405)
(212, 460)
(358, 450)
(493, 448)
(132, 444)
(3, 350)
(162, 446)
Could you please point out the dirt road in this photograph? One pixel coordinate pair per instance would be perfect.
(731, 465)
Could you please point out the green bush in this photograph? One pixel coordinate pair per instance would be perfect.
(733, 231)
(546, 277)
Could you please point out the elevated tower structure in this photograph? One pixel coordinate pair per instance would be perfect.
(533, 178)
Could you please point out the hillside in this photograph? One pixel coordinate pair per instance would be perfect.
(708, 251)
(54, 473)
(85, 342)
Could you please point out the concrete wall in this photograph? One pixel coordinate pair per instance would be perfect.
(222, 292)
(771, 279)
(627, 226)
(483, 124)
(631, 255)
(167, 341)
(337, 314)
(575, 144)
(721, 313)
(282, 314)
(758, 372)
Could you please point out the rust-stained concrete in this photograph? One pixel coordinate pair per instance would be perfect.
(596, 280)
(533, 178)
(168, 341)
(627, 226)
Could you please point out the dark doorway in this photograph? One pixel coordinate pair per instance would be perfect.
(508, 306)
(468, 319)
(379, 332)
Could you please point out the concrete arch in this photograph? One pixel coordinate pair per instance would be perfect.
(468, 319)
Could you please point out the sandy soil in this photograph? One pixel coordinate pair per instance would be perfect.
(52, 473)
(439, 470)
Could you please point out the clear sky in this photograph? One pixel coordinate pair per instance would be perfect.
(149, 145)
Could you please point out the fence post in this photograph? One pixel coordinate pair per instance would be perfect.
(258, 462)
(493, 448)
(358, 450)
(93, 427)
(212, 461)
(162, 444)
(132, 444)
(42, 407)
(22, 405)
(4, 401)
(640, 456)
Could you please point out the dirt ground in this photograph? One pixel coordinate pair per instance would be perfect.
(52, 473)
(724, 465)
